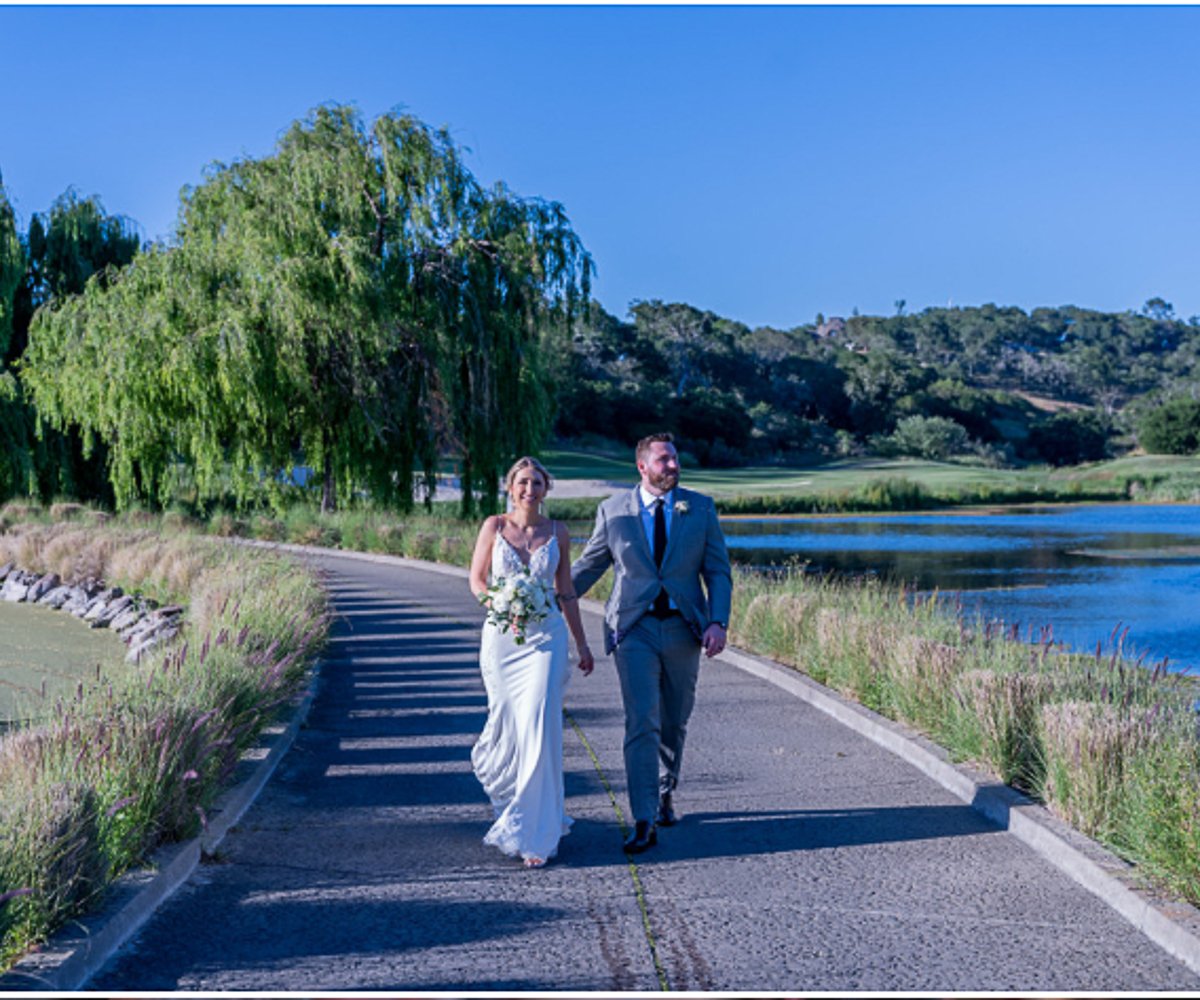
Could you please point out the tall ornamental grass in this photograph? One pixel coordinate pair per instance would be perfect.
(136, 756)
(433, 537)
(1156, 819)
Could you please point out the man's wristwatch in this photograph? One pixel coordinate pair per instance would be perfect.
(722, 624)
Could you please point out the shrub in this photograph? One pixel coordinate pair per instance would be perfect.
(928, 437)
(1070, 438)
(267, 529)
(893, 493)
(1172, 429)
(774, 623)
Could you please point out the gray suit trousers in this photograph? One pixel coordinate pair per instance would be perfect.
(658, 663)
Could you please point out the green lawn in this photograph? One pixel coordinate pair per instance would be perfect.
(852, 474)
(1135, 465)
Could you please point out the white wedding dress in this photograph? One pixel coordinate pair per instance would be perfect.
(519, 756)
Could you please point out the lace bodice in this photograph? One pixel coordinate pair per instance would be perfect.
(543, 563)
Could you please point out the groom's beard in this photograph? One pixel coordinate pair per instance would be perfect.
(665, 481)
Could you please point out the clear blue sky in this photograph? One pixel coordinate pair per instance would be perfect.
(766, 163)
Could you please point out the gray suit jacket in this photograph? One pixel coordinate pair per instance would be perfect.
(695, 552)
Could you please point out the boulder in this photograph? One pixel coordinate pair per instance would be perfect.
(111, 611)
(43, 586)
(127, 618)
(100, 599)
(141, 646)
(76, 600)
(90, 587)
(57, 597)
(140, 628)
(15, 589)
(160, 633)
(96, 609)
(141, 623)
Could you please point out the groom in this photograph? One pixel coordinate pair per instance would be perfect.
(661, 540)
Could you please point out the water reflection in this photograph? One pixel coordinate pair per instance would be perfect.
(1084, 570)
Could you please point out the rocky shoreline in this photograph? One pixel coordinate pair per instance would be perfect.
(141, 622)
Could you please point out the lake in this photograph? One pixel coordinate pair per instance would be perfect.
(1083, 570)
(41, 645)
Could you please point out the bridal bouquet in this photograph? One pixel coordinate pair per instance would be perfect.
(515, 602)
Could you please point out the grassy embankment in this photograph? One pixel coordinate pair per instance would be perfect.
(132, 760)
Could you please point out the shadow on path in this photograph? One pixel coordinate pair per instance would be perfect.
(701, 835)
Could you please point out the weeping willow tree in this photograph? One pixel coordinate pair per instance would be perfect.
(15, 465)
(62, 250)
(356, 302)
(76, 241)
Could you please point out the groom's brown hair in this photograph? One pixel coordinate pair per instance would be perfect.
(643, 446)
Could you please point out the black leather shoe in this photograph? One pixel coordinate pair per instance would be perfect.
(666, 811)
(644, 837)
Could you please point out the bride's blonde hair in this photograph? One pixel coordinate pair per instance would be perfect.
(527, 462)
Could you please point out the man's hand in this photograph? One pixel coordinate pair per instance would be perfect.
(713, 639)
(587, 662)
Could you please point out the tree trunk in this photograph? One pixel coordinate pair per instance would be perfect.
(467, 482)
(328, 491)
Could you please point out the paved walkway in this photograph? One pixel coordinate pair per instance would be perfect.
(808, 858)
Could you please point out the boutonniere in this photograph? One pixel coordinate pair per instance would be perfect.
(681, 507)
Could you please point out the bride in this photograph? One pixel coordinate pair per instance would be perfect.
(519, 756)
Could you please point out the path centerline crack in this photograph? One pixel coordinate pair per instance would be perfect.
(638, 890)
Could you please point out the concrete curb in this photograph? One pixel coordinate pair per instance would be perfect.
(79, 951)
(67, 962)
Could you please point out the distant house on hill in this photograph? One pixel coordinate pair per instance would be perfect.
(832, 327)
